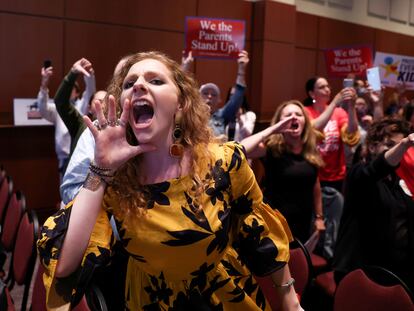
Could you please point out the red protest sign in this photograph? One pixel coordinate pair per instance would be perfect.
(214, 37)
(341, 62)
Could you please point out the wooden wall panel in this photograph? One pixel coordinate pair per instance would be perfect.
(391, 42)
(274, 21)
(256, 65)
(277, 77)
(28, 155)
(161, 14)
(37, 7)
(104, 45)
(25, 41)
(305, 66)
(280, 22)
(335, 83)
(335, 33)
(306, 30)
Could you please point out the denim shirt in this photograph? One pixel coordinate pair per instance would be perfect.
(220, 118)
(78, 166)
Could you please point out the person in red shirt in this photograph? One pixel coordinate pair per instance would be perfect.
(405, 171)
(338, 127)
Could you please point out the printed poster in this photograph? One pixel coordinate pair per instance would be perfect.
(395, 69)
(214, 37)
(340, 62)
(26, 112)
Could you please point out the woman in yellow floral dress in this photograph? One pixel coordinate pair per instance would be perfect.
(189, 212)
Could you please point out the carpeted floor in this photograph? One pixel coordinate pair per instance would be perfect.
(17, 291)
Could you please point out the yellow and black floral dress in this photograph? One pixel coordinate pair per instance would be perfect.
(180, 259)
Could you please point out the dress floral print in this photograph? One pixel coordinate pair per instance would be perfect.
(181, 259)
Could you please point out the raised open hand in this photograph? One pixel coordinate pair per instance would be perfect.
(111, 147)
(45, 73)
(187, 60)
(242, 61)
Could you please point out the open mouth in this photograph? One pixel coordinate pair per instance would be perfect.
(143, 112)
(294, 125)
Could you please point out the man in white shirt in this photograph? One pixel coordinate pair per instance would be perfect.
(49, 112)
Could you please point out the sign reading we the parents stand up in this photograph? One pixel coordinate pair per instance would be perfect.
(214, 37)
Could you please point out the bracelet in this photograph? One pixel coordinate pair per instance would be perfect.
(106, 174)
(319, 216)
(93, 181)
(98, 168)
(289, 283)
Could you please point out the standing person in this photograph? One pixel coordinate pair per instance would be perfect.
(83, 154)
(49, 112)
(291, 162)
(377, 226)
(70, 116)
(210, 92)
(406, 169)
(183, 204)
(338, 127)
(242, 125)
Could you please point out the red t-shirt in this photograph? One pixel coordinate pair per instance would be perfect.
(406, 169)
(332, 147)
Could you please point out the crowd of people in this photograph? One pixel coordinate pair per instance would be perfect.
(156, 178)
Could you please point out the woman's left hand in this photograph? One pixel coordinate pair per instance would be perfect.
(319, 224)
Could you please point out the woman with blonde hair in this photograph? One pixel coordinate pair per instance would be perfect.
(188, 210)
(291, 162)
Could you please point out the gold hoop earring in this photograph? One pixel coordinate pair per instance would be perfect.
(177, 148)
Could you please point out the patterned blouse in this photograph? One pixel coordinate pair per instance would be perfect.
(181, 259)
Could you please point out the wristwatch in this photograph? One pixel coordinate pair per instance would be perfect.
(93, 182)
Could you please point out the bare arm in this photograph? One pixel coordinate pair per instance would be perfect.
(394, 155)
(377, 99)
(242, 62)
(317, 202)
(47, 111)
(254, 145)
(352, 116)
(286, 295)
(84, 213)
(320, 122)
(111, 151)
(84, 66)
(187, 61)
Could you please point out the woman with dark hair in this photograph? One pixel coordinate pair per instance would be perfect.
(291, 162)
(188, 210)
(377, 225)
(339, 127)
(408, 112)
